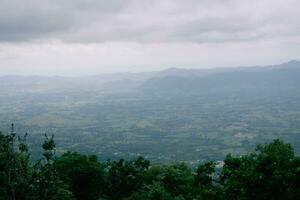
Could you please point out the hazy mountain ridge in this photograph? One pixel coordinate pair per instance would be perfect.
(143, 76)
(281, 76)
(175, 114)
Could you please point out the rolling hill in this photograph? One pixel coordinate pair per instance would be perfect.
(175, 114)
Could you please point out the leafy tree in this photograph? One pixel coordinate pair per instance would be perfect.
(204, 173)
(268, 173)
(154, 191)
(125, 177)
(178, 179)
(15, 172)
(84, 175)
(272, 171)
(46, 182)
(204, 182)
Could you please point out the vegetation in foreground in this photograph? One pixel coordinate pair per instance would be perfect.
(272, 171)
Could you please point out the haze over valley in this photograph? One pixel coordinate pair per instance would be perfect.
(149, 100)
(176, 114)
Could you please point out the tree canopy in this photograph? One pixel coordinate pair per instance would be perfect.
(271, 171)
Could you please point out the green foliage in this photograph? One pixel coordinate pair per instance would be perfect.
(204, 174)
(47, 184)
(154, 191)
(272, 171)
(49, 148)
(22, 180)
(177, 179)
(206, 188)
(15, 171)
(83, 174)
(125, 177)
(268, 173)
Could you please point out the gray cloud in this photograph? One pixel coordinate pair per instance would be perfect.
(75, 37)
(89, 21)
(49, 19)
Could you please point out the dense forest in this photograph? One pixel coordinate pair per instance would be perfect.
(271, 171)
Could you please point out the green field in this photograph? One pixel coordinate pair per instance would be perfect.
(163, 117)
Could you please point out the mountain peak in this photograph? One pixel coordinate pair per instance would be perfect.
(291, 63)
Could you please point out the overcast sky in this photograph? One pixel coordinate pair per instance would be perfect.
(80, 37)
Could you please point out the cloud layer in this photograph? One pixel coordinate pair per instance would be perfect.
(148, 20)
(138, 32)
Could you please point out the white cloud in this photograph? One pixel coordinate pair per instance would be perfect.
(96, 36)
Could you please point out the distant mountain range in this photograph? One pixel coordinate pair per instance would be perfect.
(174, 114)
(274, 78)
(229, 75)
